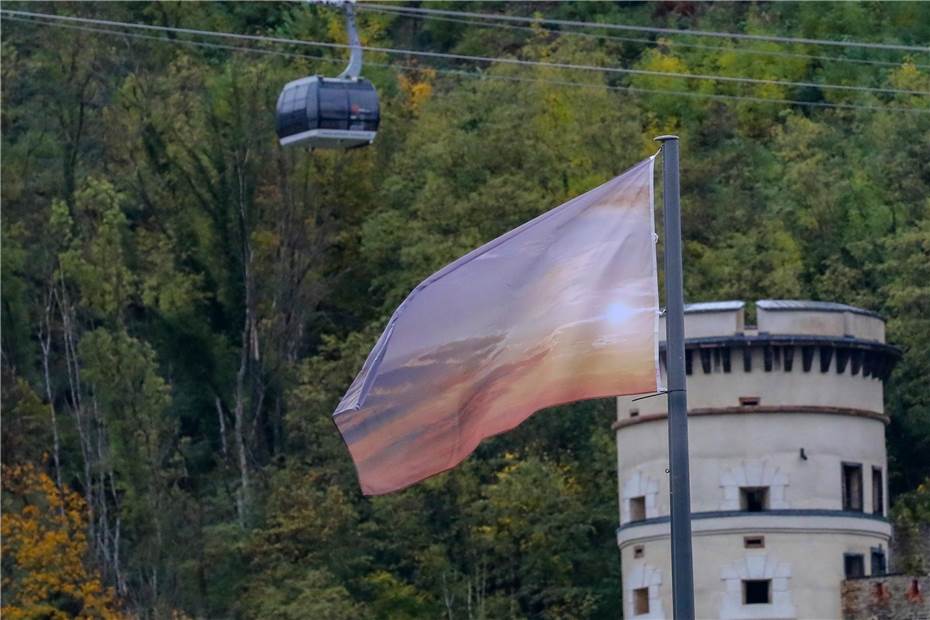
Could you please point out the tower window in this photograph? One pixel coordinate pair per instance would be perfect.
(638, 551)
(878, 491)
(640, 601)
(749, 401)
(853, 565)
(852, 487)
(637, 508)
(878, 562)
(754, 542)
(634, 413)
(754, 499)
(757, 591)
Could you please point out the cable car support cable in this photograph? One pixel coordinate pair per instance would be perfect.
(391, 10)
(467, 74)
(487, 59)
(669, 31)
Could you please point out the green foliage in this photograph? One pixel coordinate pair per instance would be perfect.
(911, 518)
(393, 598)
(205, 297)
(907, 276)
(25, 420)
(307, 594)
(529, 522)
(94, 243)
(134, 396)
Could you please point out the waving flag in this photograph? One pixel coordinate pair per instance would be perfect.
(563, 308)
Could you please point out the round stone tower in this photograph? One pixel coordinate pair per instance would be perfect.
(788, 466)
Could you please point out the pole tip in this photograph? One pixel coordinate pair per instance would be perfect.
(665, 138)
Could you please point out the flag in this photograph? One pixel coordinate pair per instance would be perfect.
(563, 308)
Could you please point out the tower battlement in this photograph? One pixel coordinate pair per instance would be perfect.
(782, 316)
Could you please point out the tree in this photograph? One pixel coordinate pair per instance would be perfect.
(911, 518)
(46, 568)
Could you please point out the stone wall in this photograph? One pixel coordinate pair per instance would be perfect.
(898, 597)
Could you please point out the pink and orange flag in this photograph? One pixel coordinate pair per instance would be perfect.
(563, 308)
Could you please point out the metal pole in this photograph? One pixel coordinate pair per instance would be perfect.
(680, 491)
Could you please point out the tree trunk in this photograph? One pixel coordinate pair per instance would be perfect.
(81, 421)
(222, 419)
(249, 344)
(45, 340)
(242, 498)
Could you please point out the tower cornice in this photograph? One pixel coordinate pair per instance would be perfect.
(752, 409)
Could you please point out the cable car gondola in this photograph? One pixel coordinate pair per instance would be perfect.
(336, 113)
(328, 113)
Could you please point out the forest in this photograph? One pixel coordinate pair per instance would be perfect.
(184, 302)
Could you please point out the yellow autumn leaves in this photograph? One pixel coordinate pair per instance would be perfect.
(45, 551)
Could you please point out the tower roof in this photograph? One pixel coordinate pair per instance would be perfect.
(715, 306)
(804, 304)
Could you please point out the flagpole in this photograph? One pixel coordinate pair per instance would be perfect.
(680, 492)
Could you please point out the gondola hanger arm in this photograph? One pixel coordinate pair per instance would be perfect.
(354, 68)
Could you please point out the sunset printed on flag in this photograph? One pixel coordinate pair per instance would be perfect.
(563, 308)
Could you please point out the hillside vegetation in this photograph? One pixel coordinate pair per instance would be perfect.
(184, 302)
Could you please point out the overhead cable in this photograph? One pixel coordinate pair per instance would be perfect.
(670, 31)
(391, 10)
(453, 56)
(483, 76)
